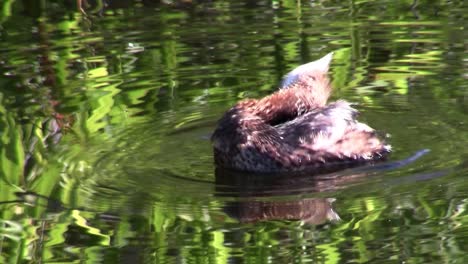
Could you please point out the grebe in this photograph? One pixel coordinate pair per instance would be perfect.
(294, 128)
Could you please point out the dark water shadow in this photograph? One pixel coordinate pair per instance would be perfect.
(283, 196)
(330, 178)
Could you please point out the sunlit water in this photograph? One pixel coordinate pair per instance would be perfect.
(105, 120)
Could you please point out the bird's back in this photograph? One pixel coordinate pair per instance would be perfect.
(294, 128)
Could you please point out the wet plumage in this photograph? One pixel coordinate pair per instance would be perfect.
(294, 128)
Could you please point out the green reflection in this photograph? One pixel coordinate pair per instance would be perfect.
(105, 118)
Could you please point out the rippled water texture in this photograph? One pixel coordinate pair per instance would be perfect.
(106, 115)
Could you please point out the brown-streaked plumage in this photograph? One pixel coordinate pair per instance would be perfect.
(294, 128)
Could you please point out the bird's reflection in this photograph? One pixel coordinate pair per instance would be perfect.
(314, 211)
(286, 196)
(279, 197)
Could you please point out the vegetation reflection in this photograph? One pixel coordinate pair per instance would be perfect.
(105, 111)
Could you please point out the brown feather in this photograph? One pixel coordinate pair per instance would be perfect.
(294, 129)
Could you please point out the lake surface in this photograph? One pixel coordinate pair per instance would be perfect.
(106, 115)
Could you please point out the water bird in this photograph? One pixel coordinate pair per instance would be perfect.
(295, 129)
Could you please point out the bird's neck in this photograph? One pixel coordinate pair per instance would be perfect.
(286, 104)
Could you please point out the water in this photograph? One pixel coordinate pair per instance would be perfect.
(105, 119)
